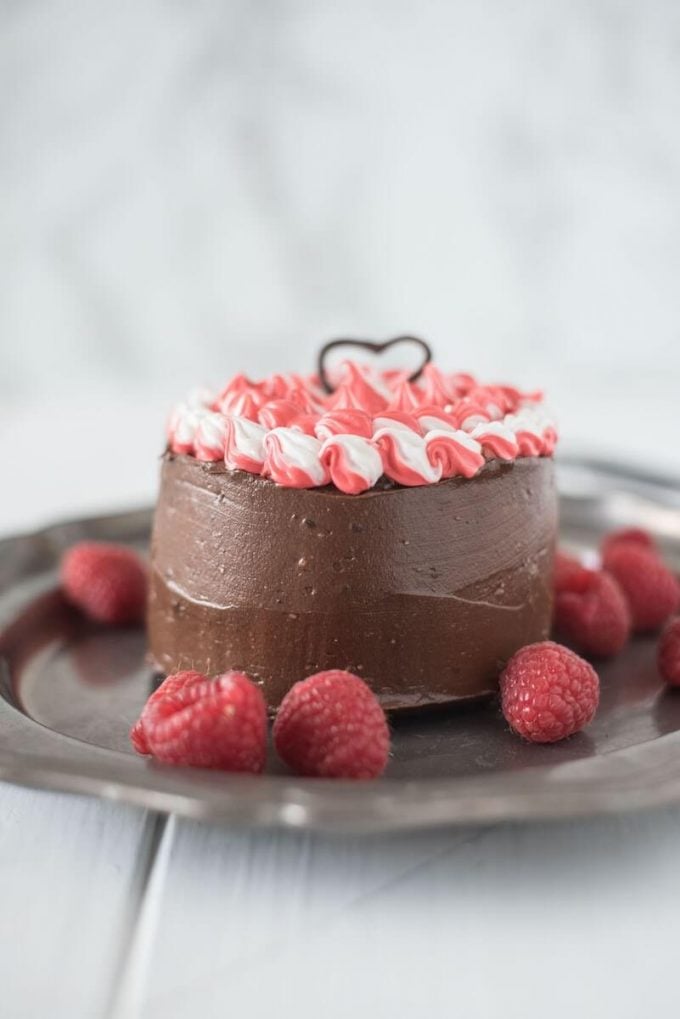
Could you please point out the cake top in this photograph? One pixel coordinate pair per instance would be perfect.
(351, 426)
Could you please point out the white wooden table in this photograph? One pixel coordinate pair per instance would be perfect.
(107, 911)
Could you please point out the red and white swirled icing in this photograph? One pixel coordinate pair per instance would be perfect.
(292, 458)
(353, 462)
(374, 425)
(244, 445)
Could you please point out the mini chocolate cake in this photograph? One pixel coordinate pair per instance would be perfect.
(401, 530)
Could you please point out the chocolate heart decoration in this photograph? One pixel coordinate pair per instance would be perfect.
(375, 348)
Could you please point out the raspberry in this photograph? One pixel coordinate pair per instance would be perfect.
(107, 582)
(668, 654)
(205, 723)
(138, 738)
(548, 692)
(652, 591)
(567, 572)
(168, 688)
(628, 536)
(331, 725)
(593, 614)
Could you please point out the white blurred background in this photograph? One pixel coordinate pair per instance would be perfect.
(190, 189)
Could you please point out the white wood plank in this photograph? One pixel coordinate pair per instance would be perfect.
(69, 869)
(559, 920)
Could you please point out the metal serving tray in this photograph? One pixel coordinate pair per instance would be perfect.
(70, 690)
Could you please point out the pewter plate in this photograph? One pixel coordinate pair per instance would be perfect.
(69, 692)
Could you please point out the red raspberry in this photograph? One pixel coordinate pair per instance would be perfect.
(548, 692)
(205, 723)
(331, 725)
(593, 614)
(652, 591)
(107, 582)
(567, 572)
(668, 655)
(629, 536)
(168, 688)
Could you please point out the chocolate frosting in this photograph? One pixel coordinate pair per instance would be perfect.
(425, 592)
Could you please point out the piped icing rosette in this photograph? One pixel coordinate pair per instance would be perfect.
(292, 459)
(373, 425)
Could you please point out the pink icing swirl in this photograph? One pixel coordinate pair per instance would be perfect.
(306, 423)
(461, 383)
(353, 462)
(468, 413)
(435, 389)
(275, 387)
(529, 444)
(210, 437)
(238, 384)
(292, 459)
(434, 418)
(182, 429)
(244, 445)
(529, 435)
(497, 441)
(343, 422)
(356, 392)
(396, 419)
(404, 457)
(455, 453)
(549, 440)
(245, 403)
(406, 397)
(278, 413)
